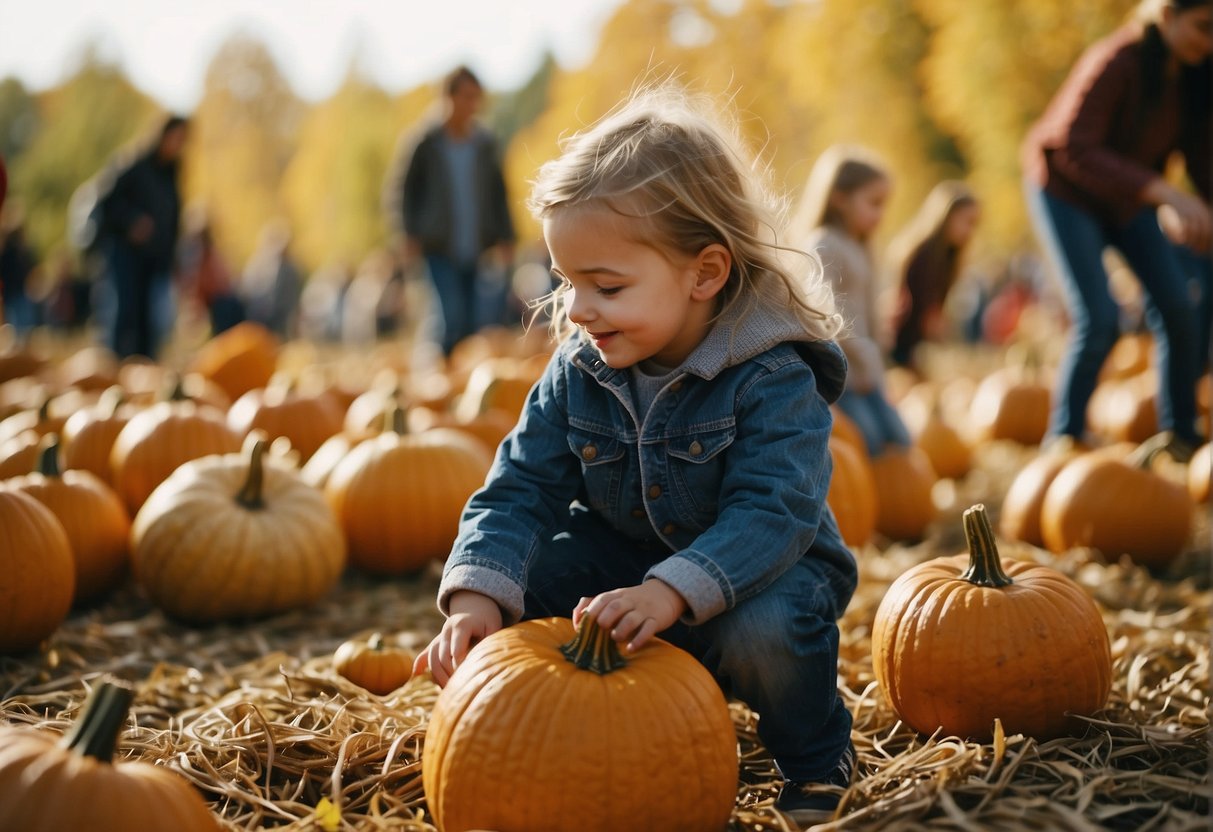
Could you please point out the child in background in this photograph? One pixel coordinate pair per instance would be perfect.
(927, 256)
(669, 471)
(843, 204)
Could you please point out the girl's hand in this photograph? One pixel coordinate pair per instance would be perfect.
(1184, 217)
(634, 614)
(473, 617)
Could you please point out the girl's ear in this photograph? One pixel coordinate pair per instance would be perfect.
(712, 267)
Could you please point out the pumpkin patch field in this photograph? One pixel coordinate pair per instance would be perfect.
(215, 575)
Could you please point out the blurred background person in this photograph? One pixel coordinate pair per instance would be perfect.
(17, 266)
(927, 256)
(140, 219)
(447, 196)
(205, 276)
(1094, 166)
(271, 284)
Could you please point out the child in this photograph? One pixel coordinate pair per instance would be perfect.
(669, 472)
(843, 204)
(927, 257)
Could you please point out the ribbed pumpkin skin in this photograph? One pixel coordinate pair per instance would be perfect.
(904, 479)
(1109, 504)
(522, 740)
(97, 525)
(202, 556)
(852, 494)
(952, 655)
(158, 440)
(88, 440)
(1010, 404)
(1019, 518)
(949, 455)
(398, 498)
(46, 788)
(39, 575)
(307, 421)
(378, 665)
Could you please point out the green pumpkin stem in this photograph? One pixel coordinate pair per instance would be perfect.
(375, 642)
(593, 649)
(250, 495)
(95, 732)
(394, 421)
(175, 387)
(48, 456)
(985, 566)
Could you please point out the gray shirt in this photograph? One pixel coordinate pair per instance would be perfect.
(460, 156)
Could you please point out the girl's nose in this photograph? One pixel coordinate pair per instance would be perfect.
(578, 307)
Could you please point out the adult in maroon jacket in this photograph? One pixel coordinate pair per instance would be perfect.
(1094, 164)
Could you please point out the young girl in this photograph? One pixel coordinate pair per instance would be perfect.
(1094, 167)
(927, 257)
(669, 471)
(843, 204)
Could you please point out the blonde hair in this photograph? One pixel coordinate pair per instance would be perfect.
(843, 169)
(665, 159)
(924, 235)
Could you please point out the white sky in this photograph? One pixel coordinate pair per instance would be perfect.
(164, 46)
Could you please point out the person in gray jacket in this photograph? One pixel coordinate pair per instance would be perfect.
(447, 198)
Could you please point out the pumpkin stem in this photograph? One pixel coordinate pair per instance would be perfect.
(593, 649)
(375, 642)
(95, 732)
(175, 387)
(394, 420)
(985, 566)
(48, 456)
(250, 495)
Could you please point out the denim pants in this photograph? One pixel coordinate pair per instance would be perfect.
(876, 419)
(467, 300)
(1074, 242)
(777, 651)
(136, 304)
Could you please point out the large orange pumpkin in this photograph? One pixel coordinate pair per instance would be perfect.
(50, 783)
(399, 496)
(159, 439)
(1119, 506)
(644, 743)
(39, 574)
(904, 506)
(852, 494)
(91, 514)
(235, 536)
(958, 642)
(280, 410)
(239, 359)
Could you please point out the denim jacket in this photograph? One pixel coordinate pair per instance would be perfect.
(729, 468)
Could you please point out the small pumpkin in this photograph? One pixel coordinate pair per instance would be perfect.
(655, 716)
(39, 573)
(374, 663)
(96, 522)
(281, 411)
(19, 455)
(44, 419)
(1019, 518)
(157, 440)
(235, 536)
(89, 434)
(1012, 403)
(399, 496)
(852, 494)
(50, 783)
(1117, 505)
(89, 368)
(958, 642)
(950, 456)
(1200, 470)
(499, 384)
(904, 480)
(1125, 409)
(239, 359)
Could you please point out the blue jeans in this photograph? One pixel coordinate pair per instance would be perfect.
(777, 651)
(1074, 242)
(876, 419)
(136, 306)
(467, 300)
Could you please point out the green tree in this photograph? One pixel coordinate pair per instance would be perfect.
(18, 118)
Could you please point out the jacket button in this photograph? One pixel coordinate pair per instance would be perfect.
(696, 449)
(589, 452)
(654, 492)
(669, 528)
(638, 512)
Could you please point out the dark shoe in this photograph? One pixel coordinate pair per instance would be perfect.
(807, 802)
(1167, 442)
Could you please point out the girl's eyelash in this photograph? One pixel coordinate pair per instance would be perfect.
(609, 290)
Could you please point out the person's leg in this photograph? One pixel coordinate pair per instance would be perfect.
(122, 300)
(454, 301)
(1171, 312)
(1073, 242)
(778, 652)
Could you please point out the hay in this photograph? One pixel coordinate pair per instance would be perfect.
(255, 717)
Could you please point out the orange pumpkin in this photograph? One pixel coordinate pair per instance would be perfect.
(852, 494)
(279, 410)
(845, 429)
(499, 384)
(1117, 505)
(17, 360)
(89, 434)
(958, 642)
(1200, 469)
(89, 368)
(398, 497)
(50, 783)
(904, 479)
(1011, 403)
(19, 455)
(374, 664)
(1020, 513)
(1125, 409)
(157, 440)
(41, 420)
(619, 738)
(91, 514)
(489, 427)
(948, 453)
(239, 359)
(39, 574)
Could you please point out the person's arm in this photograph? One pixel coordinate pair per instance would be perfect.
(533, 479)
(773, 494)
